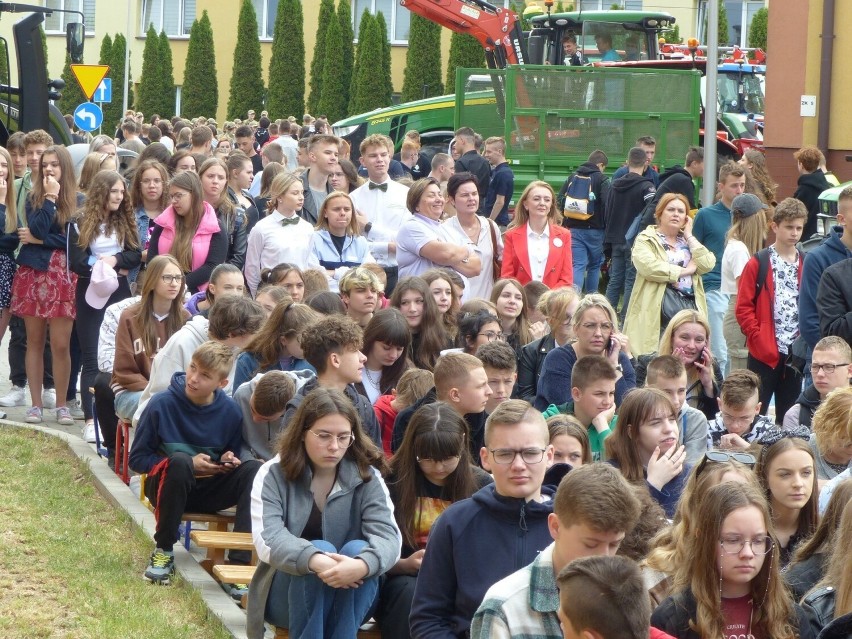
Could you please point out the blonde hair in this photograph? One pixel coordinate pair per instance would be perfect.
(11, 211)
(832, 422)
(522, 215)
(214, 357)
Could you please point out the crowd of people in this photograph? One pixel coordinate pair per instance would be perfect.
(607, 412)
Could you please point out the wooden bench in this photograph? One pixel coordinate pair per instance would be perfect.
(216, 522)
(228, 574)
(369, 630)
(216, 542)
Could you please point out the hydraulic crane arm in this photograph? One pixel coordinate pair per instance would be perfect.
(498, 30)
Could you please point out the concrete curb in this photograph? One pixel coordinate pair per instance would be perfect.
(117, 493)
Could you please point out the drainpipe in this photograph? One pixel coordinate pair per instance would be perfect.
(825, 68)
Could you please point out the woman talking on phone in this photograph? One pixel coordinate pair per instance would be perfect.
(668, 260)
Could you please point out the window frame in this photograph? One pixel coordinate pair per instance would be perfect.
(65, 18)
(263, 24)
(184, 26)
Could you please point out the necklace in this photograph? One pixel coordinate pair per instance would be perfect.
(373, 382)
(472, 231)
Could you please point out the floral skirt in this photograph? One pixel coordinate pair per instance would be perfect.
(45, 294)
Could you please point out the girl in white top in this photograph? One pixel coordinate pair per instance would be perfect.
(282, 236)
(744, 239)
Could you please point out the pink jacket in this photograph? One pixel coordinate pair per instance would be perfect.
(200, 242)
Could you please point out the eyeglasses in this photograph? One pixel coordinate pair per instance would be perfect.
(447, 461)
(828, 368)
(337, 175)
(168, 279)
(721, 456)
(507, 456)
(491, 336)
(344, 441)
(176, 197)
(734, 545)
(606, 327)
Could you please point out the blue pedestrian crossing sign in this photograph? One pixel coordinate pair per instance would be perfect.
(104, 91)
(88, 116)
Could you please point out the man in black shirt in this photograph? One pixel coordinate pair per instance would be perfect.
(471, 161)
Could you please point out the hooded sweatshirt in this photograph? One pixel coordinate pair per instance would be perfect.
(809, 400)
(674, 180)
(591, 171)
(627, 197)
(474, 544)
(173, 423)
(830, 251)
(259, 438)
(808, 192)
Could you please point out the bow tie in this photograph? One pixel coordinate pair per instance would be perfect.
(287, 221)
(381, 187)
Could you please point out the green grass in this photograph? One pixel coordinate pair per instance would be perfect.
(70, 564)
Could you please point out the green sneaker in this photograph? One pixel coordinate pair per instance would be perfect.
(237, 591)
(161, 567)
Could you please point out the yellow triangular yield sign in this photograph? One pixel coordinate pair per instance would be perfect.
(89, 76)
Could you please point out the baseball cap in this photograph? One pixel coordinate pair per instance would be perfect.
(747, 204)
(102, 285)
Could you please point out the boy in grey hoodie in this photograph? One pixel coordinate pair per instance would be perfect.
(668, 374)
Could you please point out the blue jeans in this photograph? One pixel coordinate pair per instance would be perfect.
(622, 275)
(717, 304)
(312, 610)
(587, 254)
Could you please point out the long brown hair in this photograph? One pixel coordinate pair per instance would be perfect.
(95, 212)
(146, 323)
(822, 541)
(435, 431)
(187, 225)
(432, 338)
(809, 514)
(226, 210)
(522, 333)
(640, 405)
(839, 573)
(11, 224)
(66, 201)
(773, 607)
(288, 319)
(449, 318)
(136, 198)
(317, 404)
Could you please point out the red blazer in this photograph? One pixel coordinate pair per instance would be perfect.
(559, 270)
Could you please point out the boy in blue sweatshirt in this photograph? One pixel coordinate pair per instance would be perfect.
(188, 441)
(500, 529)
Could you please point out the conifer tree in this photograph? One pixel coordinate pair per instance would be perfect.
(287, 67)
(370, 84)
(72, 94)
(347, 55)
(200, 94)
(757, 30)
(332, 102)
(326, 16)
(4, 69)
(150, 85)
(247, 75)
(113, 111)
(387, 86)
(465, 52)
(167, 77)
(106, 50)
(366, 18)
(422, 61)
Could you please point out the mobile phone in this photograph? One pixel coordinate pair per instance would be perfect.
(613, 344)
(223, 463)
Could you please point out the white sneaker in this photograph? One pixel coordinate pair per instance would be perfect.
(89, 433)
(76, 409)
(48, 398)
(15, 397)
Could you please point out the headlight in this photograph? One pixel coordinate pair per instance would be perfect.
(343, 131)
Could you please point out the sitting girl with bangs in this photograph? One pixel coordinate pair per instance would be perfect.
(645, 446)
(336, 245)
(386, 341)
(276, 346)
(734, 587)
(431, 470)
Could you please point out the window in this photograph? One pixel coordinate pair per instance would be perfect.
(266, 10)
(598, 5)
(175, 17)
(57, 22)
(397, 18)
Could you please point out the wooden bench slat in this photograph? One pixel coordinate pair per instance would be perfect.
(218, 539)
(234, 574)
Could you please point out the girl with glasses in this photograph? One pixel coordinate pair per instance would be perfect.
(104, 232)
(431, 470)
(645, 446)
(323, 524)
(143, 329)
(785, 468)
(595, 329)
(476, 329)
(734, 587)
(189, 230)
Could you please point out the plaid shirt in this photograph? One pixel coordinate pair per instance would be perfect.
(521, 606)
